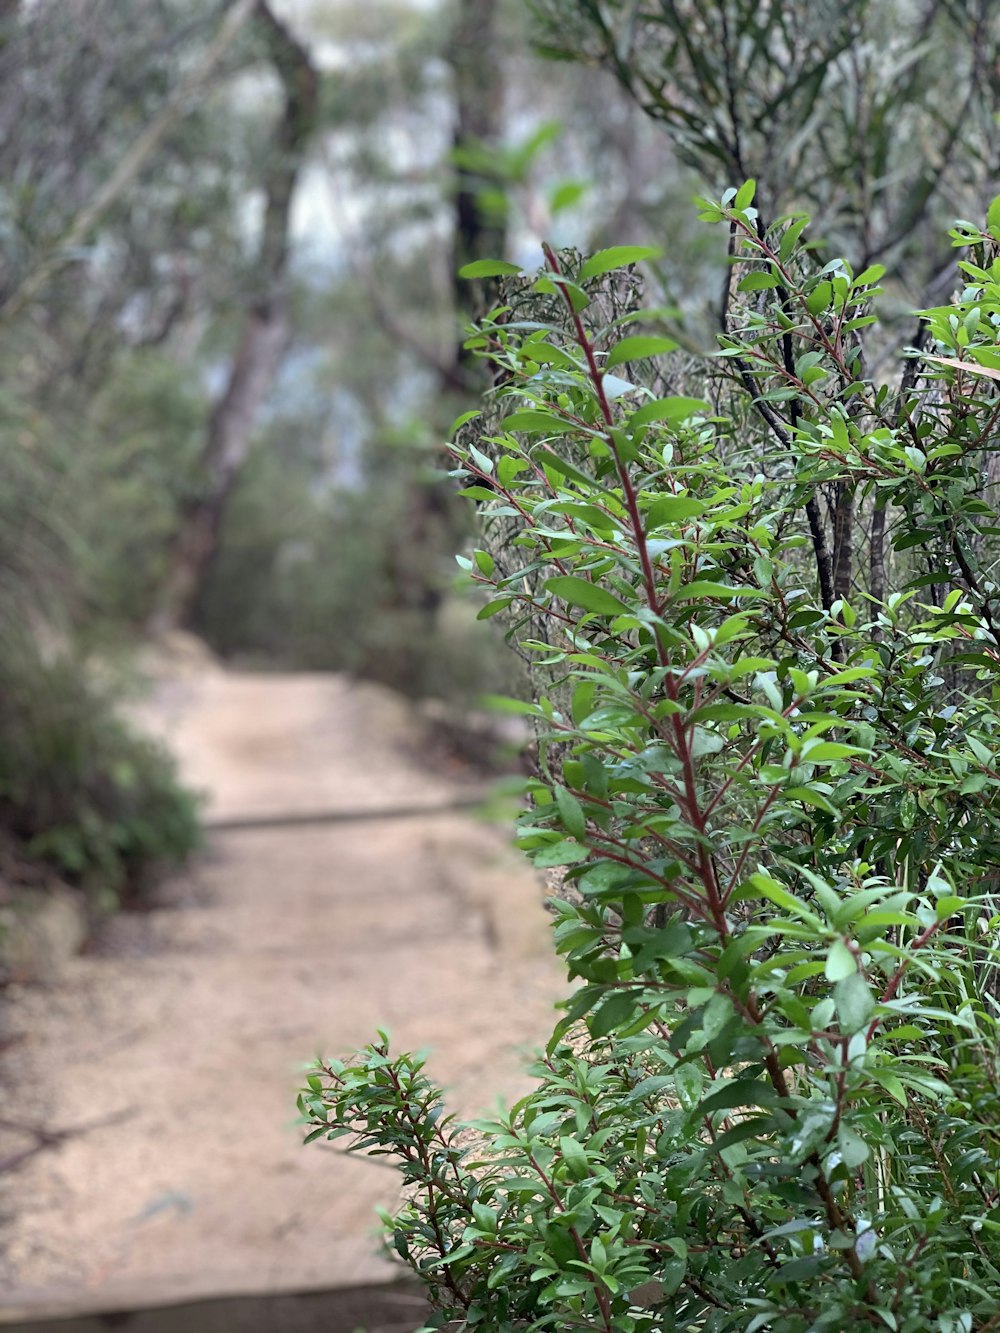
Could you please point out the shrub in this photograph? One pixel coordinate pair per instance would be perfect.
(79, 787)
(772, 1101)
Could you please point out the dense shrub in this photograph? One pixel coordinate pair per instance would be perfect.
(79, 787)
(772, 1101)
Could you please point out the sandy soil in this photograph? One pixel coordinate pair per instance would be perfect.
(190, 1024)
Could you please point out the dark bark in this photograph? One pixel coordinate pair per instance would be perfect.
(821, 550)
(876, 555)
(843, 551)
(478, 118)
(843, 540)
(266, 331)
(430, 510)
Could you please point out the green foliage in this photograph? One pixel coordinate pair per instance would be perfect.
(79, 787)
(879, 116)
(132, 473)
(772, 1101)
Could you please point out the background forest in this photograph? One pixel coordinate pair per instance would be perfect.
(230, 327)
(230, 332)
(250, 254)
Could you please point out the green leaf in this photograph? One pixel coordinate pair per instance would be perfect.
(637, 348)
(668, 409)
(688, 1083)
(535, 422)
(670, 1275)
(583, 593)
(853, 1149)
(758, 282)
(744, 195)
(705, 588)
(618, 256)
(819, 298)
(840, 962)
(740, 1092)
(776, 893)
(564, 468)
(563, 853)
(872, 274)
(670, 509)
(891, 1083)
(826, 752)
(808, 796)
(489, 268)
(566, 194)
(575, 1158)
(618, 1009)
(462, 420)
(790, 236)
(855, 1002)
(570, 812)
(493, 608)
(502, 703)
(799, 1270)
(716, 1015)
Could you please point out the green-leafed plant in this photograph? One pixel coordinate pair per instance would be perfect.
(773, 1099)
(80, 788)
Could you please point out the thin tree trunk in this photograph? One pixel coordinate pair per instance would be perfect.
(429, 508)
(843, 540)
(265, 336)
(821, 550)
(876, 555)
(843, 551)
(478, 83)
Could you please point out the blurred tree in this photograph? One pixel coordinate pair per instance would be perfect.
(480, 217)
(189, 261)
(266, 331)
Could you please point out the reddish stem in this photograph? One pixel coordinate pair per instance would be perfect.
(890, 991)
(597, 379)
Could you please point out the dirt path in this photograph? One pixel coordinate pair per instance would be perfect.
(191, 1024)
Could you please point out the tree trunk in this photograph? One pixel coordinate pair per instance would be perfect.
(843, 540)
(265, 336)
(430, 513)
(876, 555)
(478, 119)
